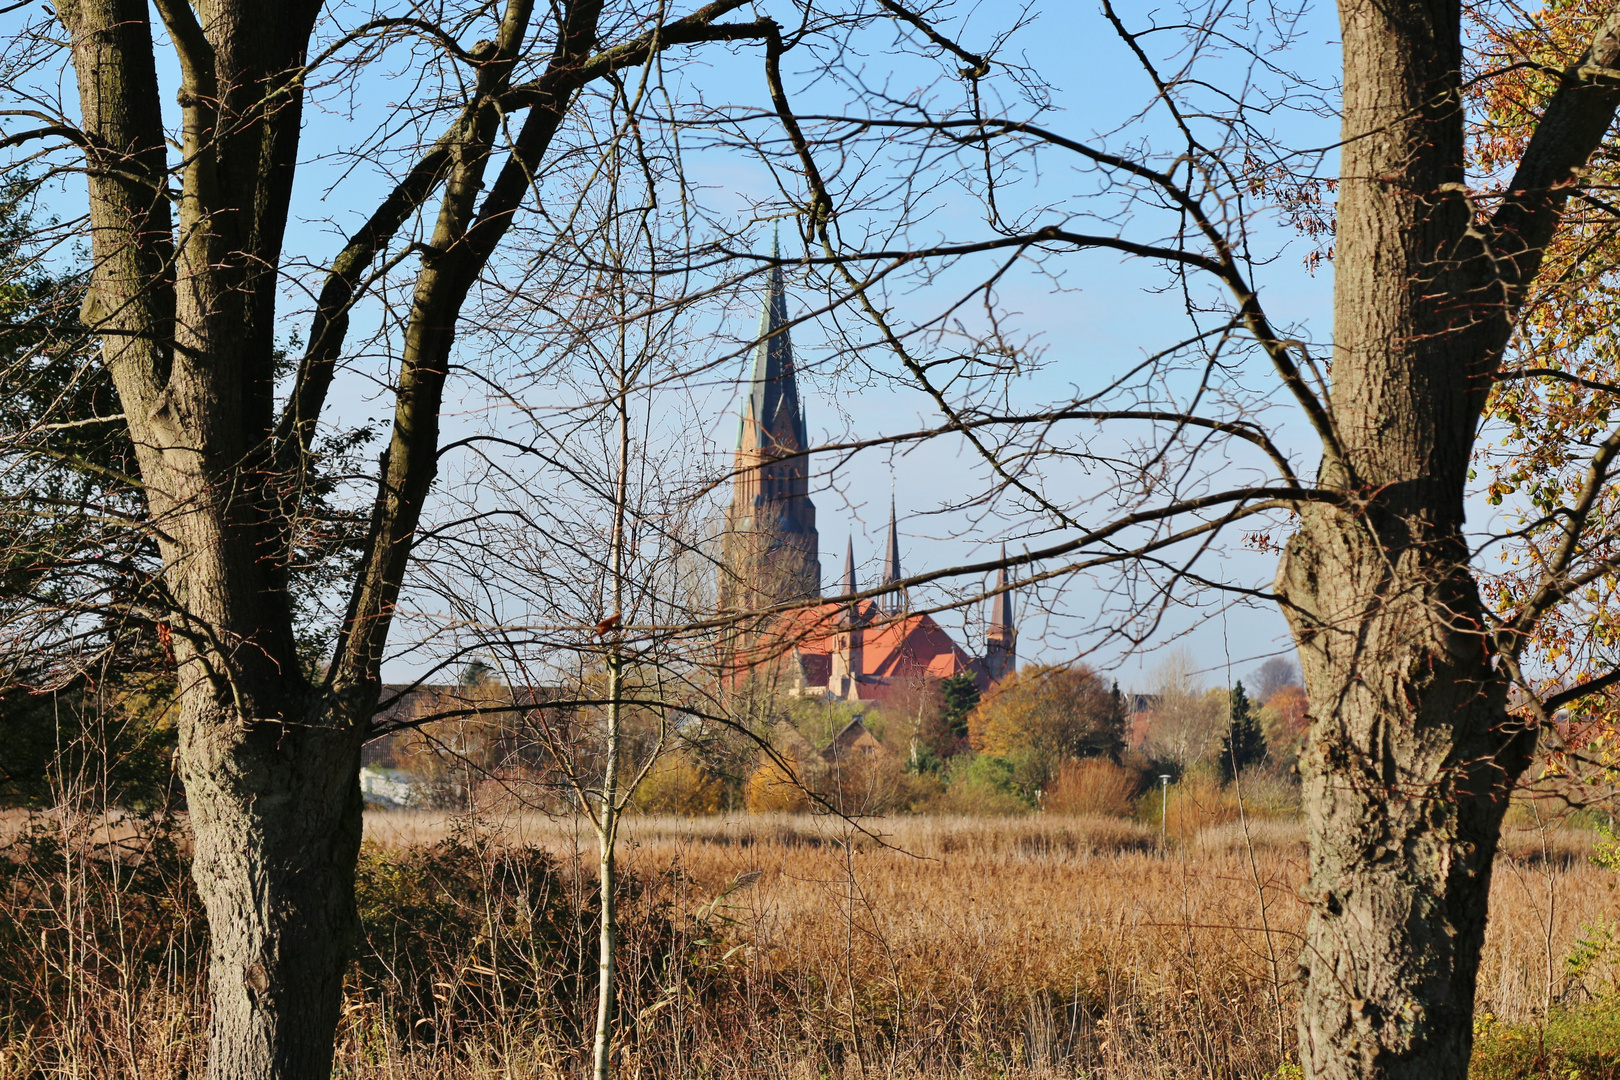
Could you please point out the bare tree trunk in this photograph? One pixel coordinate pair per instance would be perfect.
(185, 311)
(277, 835)
(1410, 764)
(1412, 753)
(607, 835)
(608, 823)
(1410, 759)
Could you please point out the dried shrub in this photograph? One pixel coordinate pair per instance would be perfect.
(462, 933)
(860, 786)
(102, 938)
(1094, 786)
(1199, 801)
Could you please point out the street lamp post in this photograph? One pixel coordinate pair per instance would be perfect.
(1164, 811)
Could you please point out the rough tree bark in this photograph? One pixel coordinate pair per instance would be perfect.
(186, 263)
(1412, 751)
(186, 323)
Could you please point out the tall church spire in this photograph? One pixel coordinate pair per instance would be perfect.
(895, 601)
(849, 569)
(1001, 640)
(773, 399)
(770, 550)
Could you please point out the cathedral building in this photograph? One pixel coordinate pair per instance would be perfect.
(852, 650)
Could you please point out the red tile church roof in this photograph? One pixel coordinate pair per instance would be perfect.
(891, 646)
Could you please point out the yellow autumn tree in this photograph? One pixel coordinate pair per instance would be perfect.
(1556, 391)
(677, 785)
(1054, 712)
(772, 789)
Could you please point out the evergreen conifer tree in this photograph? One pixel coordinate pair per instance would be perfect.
(1245, 743)
(960, 696)
(1114, 724)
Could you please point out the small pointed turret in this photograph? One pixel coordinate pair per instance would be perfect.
(844, 680)
(1001, 612)
(1001, 640)
(895, 602)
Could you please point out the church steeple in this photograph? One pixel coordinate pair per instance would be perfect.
(849, 569)
(770, 550)
(773, 406)
(895, 602)
(1001, 640)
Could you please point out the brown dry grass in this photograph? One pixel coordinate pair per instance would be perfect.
(1043, 941)
(1023, 946)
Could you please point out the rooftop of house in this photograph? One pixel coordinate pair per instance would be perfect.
(855, 741)
(889, 644)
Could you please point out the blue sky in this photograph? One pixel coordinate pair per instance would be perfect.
(1110, 312)
(1107, 314)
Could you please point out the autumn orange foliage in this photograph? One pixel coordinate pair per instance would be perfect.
(1555, 398)
(1058, 711)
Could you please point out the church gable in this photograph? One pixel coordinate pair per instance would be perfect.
(916, 643)
(826, 652)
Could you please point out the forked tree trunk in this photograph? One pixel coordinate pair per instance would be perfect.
(183, 297)
(185, 310)
(269, 767)
(1412, 752)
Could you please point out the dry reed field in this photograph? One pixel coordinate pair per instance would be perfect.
(760, 946)
(933, 945)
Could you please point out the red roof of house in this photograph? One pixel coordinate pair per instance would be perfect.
(892, 647)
